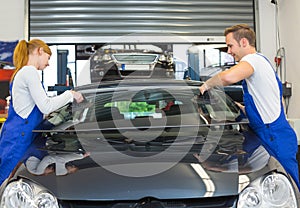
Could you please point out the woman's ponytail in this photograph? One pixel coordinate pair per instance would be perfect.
(20, 57)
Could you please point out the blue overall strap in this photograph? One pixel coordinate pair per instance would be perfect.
(15, 138)
(278, 137)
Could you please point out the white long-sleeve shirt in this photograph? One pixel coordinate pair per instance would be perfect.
(28, 91)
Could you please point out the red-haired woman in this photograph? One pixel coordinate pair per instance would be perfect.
(29, 102)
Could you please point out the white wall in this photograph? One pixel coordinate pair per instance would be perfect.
(284, 22)
(12, 20)
(266, 29)
(289, 17)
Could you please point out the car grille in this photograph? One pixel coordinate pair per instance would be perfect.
(211, 202)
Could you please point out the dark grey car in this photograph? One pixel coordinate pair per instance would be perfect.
(148, 143)
(112, 63)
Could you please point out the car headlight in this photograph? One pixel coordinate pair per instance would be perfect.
(274, 190)
(25, 194)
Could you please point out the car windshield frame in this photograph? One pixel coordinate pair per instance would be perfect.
(193, 109)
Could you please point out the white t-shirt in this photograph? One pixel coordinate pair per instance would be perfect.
(28, 91)
(263, 87)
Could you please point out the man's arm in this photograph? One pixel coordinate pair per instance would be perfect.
(235, 74)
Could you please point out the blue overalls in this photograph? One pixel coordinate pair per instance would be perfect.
(16, 136)
(278, 137)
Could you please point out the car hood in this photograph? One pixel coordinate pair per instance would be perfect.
(180, 181)
(212, 170)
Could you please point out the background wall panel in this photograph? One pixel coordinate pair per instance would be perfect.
(86, 21)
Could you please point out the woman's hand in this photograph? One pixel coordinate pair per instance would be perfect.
(77, 96)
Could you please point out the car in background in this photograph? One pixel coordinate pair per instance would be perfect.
(111, 62)
(148, 143)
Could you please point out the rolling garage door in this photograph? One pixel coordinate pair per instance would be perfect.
(89, 21)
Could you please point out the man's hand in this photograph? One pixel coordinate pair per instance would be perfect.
(242, 107)
(203, 88)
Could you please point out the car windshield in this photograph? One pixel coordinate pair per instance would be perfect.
(150, 107)
(141, 122)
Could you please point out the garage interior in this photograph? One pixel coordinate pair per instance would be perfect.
(69, 26)
(193, 26)
(191, 31)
